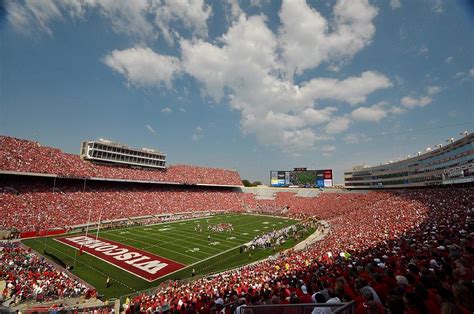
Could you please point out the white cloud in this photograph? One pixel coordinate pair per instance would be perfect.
(353, 90)
(150, 128)
(313, 116)
(182, 109)
(193, 14)
(471, 72)
(338, 125)
(397, 110)
(449, 59)
(245, 68)
(307, 38)
(143, 66)
(166, 110)
(233, 10)
(395, 4)
(356, 138)
(433, 90)
(411, 102)
(143, 19)
(374, 113)
(41, 13)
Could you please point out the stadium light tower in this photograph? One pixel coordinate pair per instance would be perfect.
(450, 140)
(465, 133)
(439, 145)
(428, 149)
(419, 153)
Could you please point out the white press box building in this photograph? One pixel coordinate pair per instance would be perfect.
(106, 151)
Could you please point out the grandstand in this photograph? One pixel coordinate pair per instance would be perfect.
(407, 251)
(445, 165)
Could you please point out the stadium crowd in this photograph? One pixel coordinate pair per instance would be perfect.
(406, 253)
(29, 276)
(403, 252)
(27, 156)
(70, 205)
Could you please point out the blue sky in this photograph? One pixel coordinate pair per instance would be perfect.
(247, 85)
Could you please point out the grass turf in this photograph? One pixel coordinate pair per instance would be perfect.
(176, 241)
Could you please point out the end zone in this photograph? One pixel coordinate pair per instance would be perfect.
(140, 263)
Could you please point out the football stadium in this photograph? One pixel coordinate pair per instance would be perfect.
(194, 239)
(236, 157)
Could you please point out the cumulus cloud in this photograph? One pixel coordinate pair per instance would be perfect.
(411, 102)
(166, 110)
(251, 68)
(374, 113)
(449, 59)
(143, 67)
(338, 125)
(353, 90)
(307, 38)
(193, 14)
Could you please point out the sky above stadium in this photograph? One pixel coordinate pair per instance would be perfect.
(247, 85)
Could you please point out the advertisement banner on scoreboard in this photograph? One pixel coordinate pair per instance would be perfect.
(327, 183)
(327, 174)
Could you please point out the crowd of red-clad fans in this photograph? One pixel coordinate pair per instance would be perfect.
(27, 156)
(70, 205)
(390, 253)
(28, 276)
(398, 252)
(409, 251)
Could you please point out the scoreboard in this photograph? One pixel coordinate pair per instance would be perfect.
(301, 177)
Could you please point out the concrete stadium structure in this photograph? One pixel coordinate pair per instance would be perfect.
(446, 165)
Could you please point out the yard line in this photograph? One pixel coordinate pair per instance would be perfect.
(223, 236)
(159, 247)
(202, 238)
(177, 239)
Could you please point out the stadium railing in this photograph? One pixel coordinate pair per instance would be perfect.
(306, 308)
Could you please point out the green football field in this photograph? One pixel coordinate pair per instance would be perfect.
(176, 241)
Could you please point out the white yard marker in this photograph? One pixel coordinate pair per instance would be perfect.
(196, 249)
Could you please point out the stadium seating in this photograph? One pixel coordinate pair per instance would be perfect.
(398, 244)
(408, 252)
(27, 156)
(69, 205)
(29, 276)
